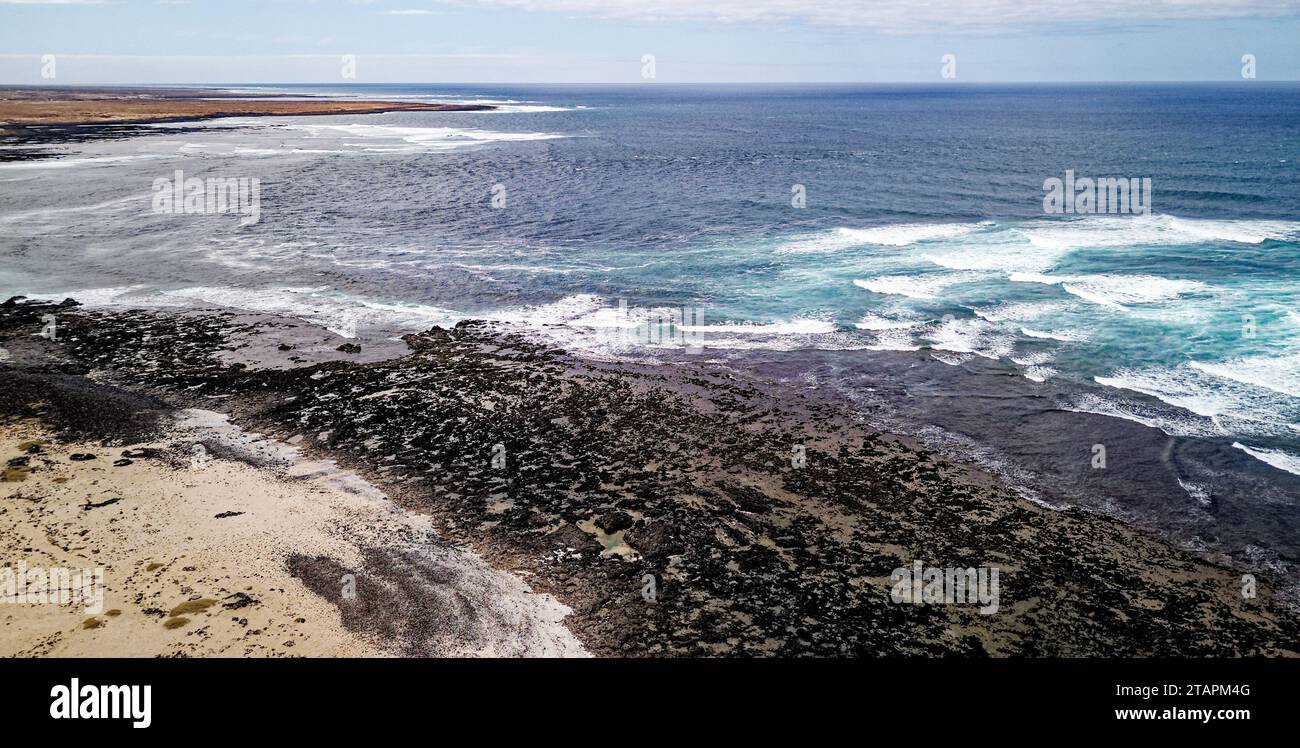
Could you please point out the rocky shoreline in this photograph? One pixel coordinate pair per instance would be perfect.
(677, 510)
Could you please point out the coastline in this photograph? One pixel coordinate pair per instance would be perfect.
(612, 472)
(84, 106)
(34, 118)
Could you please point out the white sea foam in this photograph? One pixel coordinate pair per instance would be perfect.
(1196, 491)
(526, 108)
(1234, 407)
(580, 310)
(1240, 232)
(1065, 336)
(102, 296)
(970, 336)
(515, 268)
(1033, 358)
(1275, 457)
(950, 358)
(797, 326)
(396, 139)
(895, 235)
(1034, 363)
(1152, 230)
(1277, 373)
(1039, 373)
(593, 325)
(894, 340)
(877, 322)
(277, 137)
(914, 286)
(1018, 311)
(1115, 291)
(74, 162)
(1172, 386)
(1000, 256)
(339, 313)
(1173, 423)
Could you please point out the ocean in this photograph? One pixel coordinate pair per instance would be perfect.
(886, 244)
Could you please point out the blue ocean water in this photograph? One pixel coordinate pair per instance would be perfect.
(921, 234)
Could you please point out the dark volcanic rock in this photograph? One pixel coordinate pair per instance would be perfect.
(613, 521)
(529, 456)
(95, 505)
(656, 541)
(238, 600)
(140, 453)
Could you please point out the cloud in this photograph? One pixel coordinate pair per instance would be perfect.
(408, 13)
(912, 16)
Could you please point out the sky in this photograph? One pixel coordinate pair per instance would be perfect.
(79, 42)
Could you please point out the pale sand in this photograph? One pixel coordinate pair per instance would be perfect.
(162, 546)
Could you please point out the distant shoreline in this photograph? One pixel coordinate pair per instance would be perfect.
(23, 106)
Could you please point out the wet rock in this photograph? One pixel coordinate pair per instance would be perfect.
(430, 339)
(614, 520)
(748, 499)
(569, 536)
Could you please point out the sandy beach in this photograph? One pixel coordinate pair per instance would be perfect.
(197, 552)
(209, 538)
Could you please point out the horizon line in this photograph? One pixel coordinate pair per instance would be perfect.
(656, 83)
